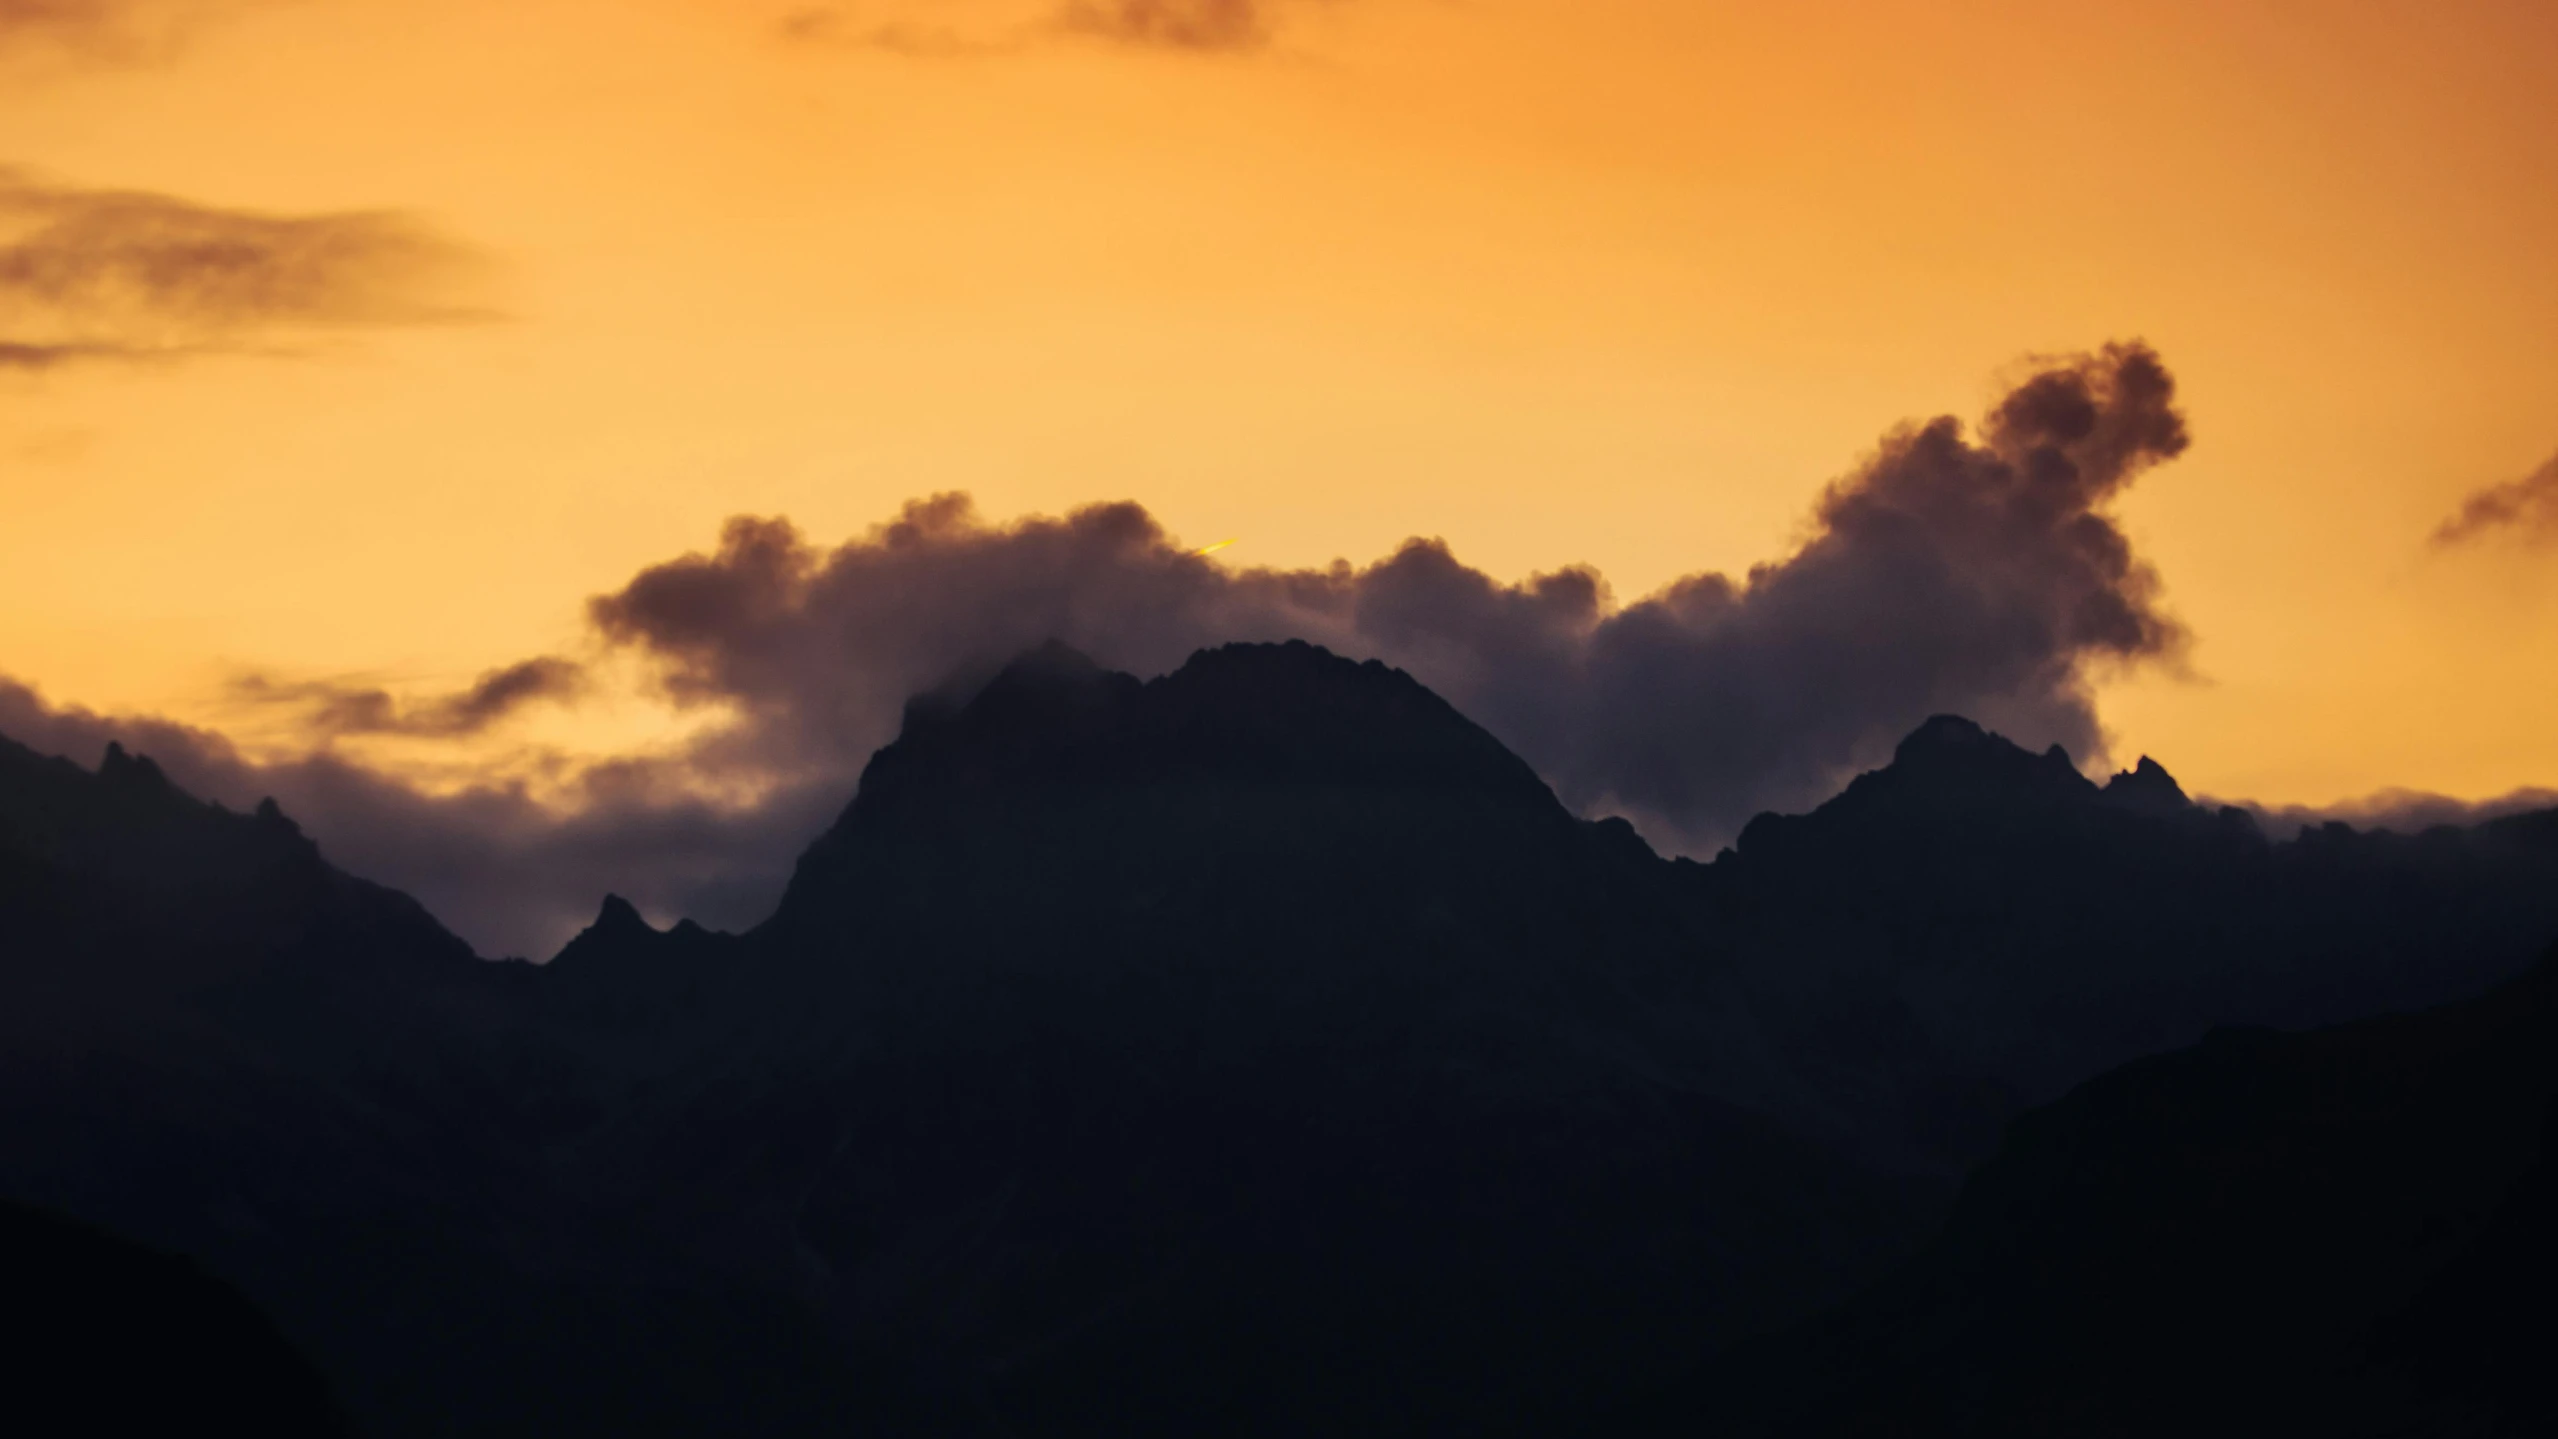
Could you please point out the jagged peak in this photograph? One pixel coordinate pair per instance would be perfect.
(123, 767)
(618, 917)
(1951, 744)
(2147, 785)
(1942, 734)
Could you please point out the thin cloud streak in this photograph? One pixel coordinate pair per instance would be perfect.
(1195, 27)
(92, 274)
(330, 709)
(107, 32)
(2527, 507)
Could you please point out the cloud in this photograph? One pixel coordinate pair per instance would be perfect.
(1171, 24)
(22, 20)
(108, 274)
(2528, 506)
(512, 872)
(1946, 573)
(106, 31)
(330, 708)
(1952, 571)
(2403, 810)
(1180, 26)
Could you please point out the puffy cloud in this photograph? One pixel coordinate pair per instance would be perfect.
(91, 274)
(2528, 507)
(1976, 573)
(1946, 574)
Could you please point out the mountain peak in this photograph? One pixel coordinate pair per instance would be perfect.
(2147, 786)
(1950, 747)
(132, 771)
(618, 917)
(1241, 745)
(1942, 734)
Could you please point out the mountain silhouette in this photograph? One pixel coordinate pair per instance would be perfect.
(1976, 928)
(113, 1338)
(1258, 1049)
(2341, 1232)
(1169, 1058)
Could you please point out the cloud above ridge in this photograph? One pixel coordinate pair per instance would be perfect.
(1968, 570)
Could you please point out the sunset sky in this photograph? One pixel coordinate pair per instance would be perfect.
(1622, 283)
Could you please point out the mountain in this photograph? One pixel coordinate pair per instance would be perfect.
(1976, 928)
(1258, 1049)
(131, 1341)
(2341, 1232)
(119, 893)
(214, 1043)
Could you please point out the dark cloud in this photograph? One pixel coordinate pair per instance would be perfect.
(1947, 574)
(1951, 572)
(330, 708)
(2528, 506)
(90, 274)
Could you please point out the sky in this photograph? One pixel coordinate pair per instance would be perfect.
(362, 361)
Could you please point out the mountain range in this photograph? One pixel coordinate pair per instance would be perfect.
(1263, 1049)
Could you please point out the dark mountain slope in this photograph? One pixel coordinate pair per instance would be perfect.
(107, 1337)
(118, 893)
(216, 1043)
(1977, 928)
(1258, 1050)
(2337, 1233)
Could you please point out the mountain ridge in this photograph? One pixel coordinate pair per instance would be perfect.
(1168, 1057)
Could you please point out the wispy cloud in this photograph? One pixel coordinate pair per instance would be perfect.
(1198, 27)
(329, 708)
(107, 32)
(2527, 507)
(95, 274)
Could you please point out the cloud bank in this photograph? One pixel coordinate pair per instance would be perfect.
(1976, 572)
(127, 274)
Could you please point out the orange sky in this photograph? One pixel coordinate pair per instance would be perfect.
(1621, 281)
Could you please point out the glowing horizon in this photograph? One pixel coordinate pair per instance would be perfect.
(1622, 285)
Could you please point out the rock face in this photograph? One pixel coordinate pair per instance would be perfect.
(2342, 1232)
(1260, 1049)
